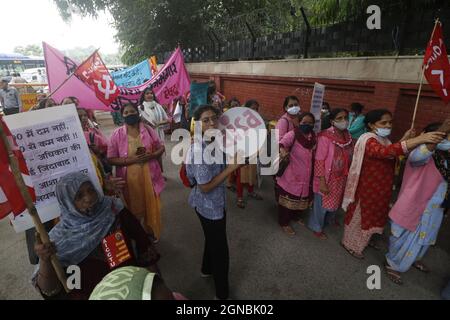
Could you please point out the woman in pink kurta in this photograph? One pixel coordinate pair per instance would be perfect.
(289, 120)
(294, 186)
(134, 149)
(332, 161)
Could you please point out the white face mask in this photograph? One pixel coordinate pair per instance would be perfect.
(383, 132)
(294, 110)
(342, 125)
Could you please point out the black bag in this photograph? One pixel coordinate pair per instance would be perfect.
(284, 163)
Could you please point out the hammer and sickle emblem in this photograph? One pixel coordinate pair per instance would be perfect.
(108, 90)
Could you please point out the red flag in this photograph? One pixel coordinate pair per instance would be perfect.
(437, 67)
(11, 201)
(94, 72)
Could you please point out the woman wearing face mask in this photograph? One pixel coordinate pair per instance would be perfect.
(134, 149)
(417, 214)
(88, 218)
(332, 162)
(369, 185)
(293, 188)
(290, 119)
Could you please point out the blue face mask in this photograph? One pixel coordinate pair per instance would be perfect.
(383, 132)
(444, 145)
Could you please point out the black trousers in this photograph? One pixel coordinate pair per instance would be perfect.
(216, 258)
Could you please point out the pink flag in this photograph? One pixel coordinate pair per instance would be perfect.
(169, 83)
(59, 68)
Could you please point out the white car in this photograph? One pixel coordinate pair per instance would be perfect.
(35, 75)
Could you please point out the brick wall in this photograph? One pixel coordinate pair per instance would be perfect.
(399, 98)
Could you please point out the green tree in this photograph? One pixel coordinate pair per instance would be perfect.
(30, 50)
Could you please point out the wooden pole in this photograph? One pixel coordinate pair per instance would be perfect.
(421, 80)
(14, 163)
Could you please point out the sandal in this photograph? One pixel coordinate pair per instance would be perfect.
(288, 230)
(256, 196)
(241, 204)
(421, 267)
(359, 256)
(393, 275)
(321, 235)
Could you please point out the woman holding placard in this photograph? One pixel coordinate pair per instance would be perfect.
(96, 234)
(208, 198)
(134, 149)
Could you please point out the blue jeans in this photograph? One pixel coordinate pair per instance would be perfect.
(319, 215)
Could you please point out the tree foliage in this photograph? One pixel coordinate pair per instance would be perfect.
(145, 27)
(30, 50)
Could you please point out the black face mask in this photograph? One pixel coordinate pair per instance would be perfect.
(306, 128)
(132, 119)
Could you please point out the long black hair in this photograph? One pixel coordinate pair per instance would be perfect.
(126, 104)
(286, 101)
(306, 114)
(142, 99)
(374, 116)
(200, 110)
(334, 112)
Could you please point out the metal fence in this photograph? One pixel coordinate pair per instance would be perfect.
(399, 35)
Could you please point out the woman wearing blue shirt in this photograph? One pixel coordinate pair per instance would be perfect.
(356, 120)
(208, 199)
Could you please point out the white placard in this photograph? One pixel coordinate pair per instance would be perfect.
(243, 125)
(53, 144)
(316, 104)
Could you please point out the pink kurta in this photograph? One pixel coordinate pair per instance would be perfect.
(297, 177)
(284, 125)
(118, 148)
(99, 139)
(330, 163)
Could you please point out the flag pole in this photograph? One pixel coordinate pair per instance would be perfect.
(65, 81)
(14, 164)
(421, 79)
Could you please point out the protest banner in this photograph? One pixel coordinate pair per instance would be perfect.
(169, 83)
(244, 131)
(53, 144)
(134, 75)
(198, 96)
(28, 100)
(316, 104)
(435, 67)
(94, 73)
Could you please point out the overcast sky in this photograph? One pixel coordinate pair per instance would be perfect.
(33, 21)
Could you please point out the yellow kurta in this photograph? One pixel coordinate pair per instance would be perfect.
(140, 196)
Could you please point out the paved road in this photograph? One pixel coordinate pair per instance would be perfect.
(265, 263)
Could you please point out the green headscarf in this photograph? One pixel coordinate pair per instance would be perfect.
(127, 283)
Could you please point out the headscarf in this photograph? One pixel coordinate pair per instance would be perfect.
(127, 283)
(77, 235)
